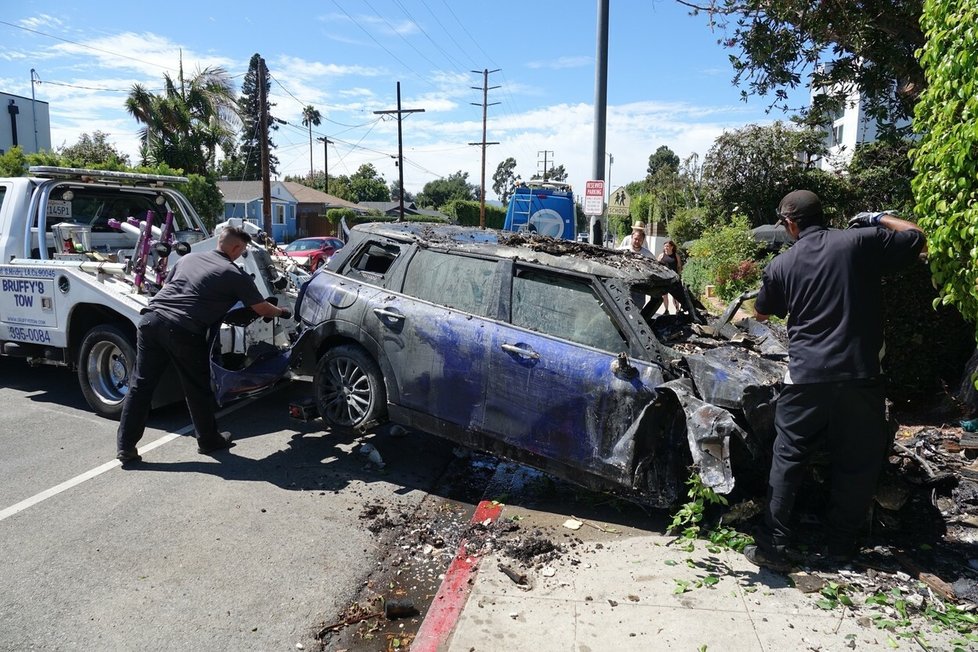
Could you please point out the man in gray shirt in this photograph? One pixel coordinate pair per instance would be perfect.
(199, 291)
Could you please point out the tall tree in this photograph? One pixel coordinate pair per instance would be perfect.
(94, 151)
(395, 188)
(868, 46)
(439, 192)
(556, 173)
(504, 179)
(185, 125)
(310, 117)
(366, 184)
(749, 170)
(249, 153)
(663, 158)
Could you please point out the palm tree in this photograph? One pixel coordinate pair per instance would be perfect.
(310, 117)
(185, 125)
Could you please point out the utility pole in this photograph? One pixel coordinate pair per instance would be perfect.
(400, 148)
(485, 105)
(326, 143)
(34, 107)
(266, 184)
(600, 106)
(545, 152)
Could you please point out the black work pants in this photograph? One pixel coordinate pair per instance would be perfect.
(158, 343)
(848, 418)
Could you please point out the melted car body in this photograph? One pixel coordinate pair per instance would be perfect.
(549, 352)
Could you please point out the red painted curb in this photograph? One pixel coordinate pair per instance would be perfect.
(454, 591)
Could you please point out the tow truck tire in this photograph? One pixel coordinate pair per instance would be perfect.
(349, 389)
(105, 364)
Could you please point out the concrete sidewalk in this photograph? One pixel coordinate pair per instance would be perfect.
(635, 590)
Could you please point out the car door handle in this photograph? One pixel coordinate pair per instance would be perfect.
(526, 353)
(380, 312)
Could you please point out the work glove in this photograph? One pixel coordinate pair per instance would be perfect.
(867, 218)
(286, 314)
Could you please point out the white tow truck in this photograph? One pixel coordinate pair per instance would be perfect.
(83, 251)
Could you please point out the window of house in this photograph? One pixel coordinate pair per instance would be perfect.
(837, 134)
(460, 282)
(564, 307)
(279, 214)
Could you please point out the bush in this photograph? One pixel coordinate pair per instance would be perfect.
(729, 256)
(466, 213)
(697, 275)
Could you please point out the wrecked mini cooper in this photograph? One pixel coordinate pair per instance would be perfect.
(548, 352)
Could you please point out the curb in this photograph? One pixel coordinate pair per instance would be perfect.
(445, 609)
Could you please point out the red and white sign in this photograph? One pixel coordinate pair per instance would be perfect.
(594, 197)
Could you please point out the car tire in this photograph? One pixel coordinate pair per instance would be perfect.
(349, 389)
(105, 363)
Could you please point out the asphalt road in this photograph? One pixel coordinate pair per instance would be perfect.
(253, 549)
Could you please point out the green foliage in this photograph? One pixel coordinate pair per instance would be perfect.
(687, 225)
(13, 162)
(184, 126)
(728, 254)
(834, 594)
(94, 152)
(334, 215)
(946, 161)
(869, 46)
(366, 184)
(663, 159)
(441, 191)
(246, 164)
(686, 521)
(697, 274)
(880, 175)
(205, 197)
(466, 212)
(749, 170)
(504, 179)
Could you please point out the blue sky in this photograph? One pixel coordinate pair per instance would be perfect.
(669, 81)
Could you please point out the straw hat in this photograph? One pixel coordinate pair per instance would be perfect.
(639, 226)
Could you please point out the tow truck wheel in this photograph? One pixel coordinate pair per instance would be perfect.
(105, 364)
(350, 391)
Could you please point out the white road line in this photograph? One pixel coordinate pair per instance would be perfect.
(108, 466)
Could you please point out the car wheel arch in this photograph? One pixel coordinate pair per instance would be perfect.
(371, 347)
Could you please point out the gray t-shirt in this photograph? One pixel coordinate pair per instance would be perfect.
(201, 288)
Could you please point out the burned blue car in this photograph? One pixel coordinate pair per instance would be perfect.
(552, 353)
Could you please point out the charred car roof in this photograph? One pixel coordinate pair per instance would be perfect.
(579, 257)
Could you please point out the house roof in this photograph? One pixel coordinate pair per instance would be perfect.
(307, 195)
(246, 191)
(387, 206)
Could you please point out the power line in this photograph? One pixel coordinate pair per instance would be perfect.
(396, 31)
(438, 46)
(382, 46)
(451, 37)
(83, 45)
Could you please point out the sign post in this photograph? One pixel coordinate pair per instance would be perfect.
(594, 209)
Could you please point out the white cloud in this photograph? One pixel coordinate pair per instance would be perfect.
(41, 21)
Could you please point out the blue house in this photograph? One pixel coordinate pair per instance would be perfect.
(244, 199)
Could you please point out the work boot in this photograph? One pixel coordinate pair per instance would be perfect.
(128, 457)
(223, 442)
(766, 558)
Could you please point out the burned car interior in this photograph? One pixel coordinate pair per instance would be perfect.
(553, 353)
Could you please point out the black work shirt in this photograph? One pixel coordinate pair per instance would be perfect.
(201, 288)
(828, 284)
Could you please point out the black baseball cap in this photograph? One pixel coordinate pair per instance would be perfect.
(800, 206)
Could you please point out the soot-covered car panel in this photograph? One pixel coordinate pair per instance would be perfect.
(550, 352)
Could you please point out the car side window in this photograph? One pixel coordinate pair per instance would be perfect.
(459, 282)
(564, 307)
(372, 263)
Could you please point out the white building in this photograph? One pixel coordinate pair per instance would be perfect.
(24, 122)
(848, 128)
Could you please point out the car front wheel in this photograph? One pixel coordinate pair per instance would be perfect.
(350, 392)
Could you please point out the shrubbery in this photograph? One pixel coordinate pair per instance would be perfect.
(727, 256)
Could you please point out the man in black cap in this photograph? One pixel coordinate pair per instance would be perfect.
(828, 285)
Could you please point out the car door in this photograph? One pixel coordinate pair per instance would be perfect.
(552, 387)
(434, 335)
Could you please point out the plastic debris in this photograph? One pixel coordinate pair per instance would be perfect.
(573, 524)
